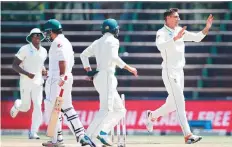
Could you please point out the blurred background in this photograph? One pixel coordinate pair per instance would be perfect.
(208, 70)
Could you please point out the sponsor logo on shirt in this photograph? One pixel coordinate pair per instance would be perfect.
(59, 45)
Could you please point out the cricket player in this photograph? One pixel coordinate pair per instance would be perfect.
(61, 61)
(105, 50)
(29, 63)
(170, 42)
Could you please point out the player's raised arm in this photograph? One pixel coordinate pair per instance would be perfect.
(197, 37)
(180, 34)
(209, 23)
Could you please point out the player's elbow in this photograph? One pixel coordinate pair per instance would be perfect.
(198, 37)
(197, 40)
(83, 56)
(13, 66)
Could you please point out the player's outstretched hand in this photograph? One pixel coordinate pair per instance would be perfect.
(134, 71)
(209, 21)
(180, 34)
(44, 72)
(131, 70)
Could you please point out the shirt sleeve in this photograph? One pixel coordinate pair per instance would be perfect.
(196, 37)
(88, 52)
(22, 53)
(46, 54)
(114, 53)
(60, 51)
(161, 43)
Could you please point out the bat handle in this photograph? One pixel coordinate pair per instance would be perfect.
(62, 90)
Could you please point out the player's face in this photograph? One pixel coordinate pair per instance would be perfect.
(117, 33)
(47, 35)
(173, 19)
(35, 38)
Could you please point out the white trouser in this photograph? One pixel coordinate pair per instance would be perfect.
(30, 91)
(174, 83)
(52, 90)
(112, 109)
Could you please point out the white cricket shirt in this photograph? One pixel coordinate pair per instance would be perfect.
(105, 50)
(172, 51)
(60, 50)
(32, 62)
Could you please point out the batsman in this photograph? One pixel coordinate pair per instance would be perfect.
(105, 50)
(60, 78)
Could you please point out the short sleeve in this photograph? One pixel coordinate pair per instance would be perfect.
(45, 53)
(22, 53)
(59, 51)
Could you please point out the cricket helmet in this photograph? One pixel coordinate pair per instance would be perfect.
(49, 26)
(52, 24)
(110, 25)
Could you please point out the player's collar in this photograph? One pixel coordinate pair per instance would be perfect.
(33, 47)
(169, 29)
(108, 34)
(58, 36)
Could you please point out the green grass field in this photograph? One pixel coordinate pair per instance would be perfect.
(132, 141)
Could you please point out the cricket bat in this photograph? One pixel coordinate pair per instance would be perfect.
(55, 113)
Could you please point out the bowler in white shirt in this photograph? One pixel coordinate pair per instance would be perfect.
(170, 42)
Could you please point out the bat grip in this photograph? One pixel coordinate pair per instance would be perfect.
(61, 92)
(62, 89)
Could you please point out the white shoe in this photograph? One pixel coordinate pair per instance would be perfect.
(103, 137)
(149, 121)
(14, 110)
(32, 135)
(190, 139)
(60, 143)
